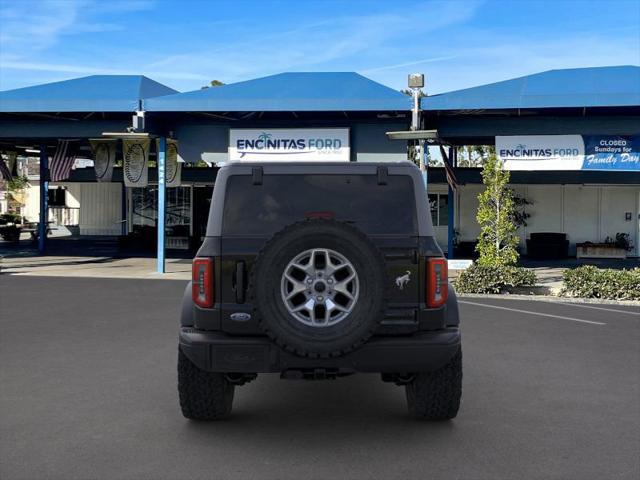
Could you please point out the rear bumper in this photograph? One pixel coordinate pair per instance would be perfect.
(217, 352)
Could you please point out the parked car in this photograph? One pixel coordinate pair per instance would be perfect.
(318, 271)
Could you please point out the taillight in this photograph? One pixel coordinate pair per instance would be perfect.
(202, 282)
(437, 282)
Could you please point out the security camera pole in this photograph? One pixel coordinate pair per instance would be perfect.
(416, 83)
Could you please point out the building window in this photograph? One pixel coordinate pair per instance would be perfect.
(439, 205)
(178, 219)
(144, 214)
(144, 208)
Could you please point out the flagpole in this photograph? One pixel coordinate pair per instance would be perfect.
(453, 158)
(44, 199)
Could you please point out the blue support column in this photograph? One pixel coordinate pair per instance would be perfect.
(453, 153)
(162, 149)
(44, 199)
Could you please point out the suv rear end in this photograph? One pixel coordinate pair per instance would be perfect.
(319, 271)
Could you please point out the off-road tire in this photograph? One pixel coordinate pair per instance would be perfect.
(203, 395)
(281, 326)
(436, 395)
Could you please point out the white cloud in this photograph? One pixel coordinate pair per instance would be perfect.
(88, 70)
(408, 64)
(31, 27)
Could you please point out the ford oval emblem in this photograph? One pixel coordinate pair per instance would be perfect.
(240, 317)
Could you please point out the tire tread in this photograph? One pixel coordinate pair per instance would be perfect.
(436, 395)
(203, 395)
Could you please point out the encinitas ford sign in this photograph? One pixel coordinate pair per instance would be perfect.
(569, 152)
(289, 144)
(541, 152)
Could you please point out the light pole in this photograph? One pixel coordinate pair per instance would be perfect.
(416, 83)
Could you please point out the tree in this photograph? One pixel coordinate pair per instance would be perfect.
(409, 92)
(213, 83)
(496, 210)
(15, 194)
(474, 155)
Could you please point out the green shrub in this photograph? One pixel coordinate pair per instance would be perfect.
(493, 279)
(592, 282)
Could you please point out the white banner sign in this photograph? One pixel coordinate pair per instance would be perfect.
(104, 157)
(136, 162)
(459, 264)
(541, 152)
(290, 144)
(173, 167)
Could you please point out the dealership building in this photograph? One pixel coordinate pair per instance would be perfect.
(570, 137)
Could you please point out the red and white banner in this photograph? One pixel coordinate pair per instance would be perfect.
(62, 160)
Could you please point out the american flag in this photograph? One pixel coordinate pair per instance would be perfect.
(62, 161)
(4, 170)
(448, 169)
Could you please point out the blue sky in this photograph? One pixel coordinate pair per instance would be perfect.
(184, 44)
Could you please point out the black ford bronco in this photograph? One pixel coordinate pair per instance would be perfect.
(319, 271)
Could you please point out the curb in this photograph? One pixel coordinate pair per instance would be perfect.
(551, 299)
(535, 290)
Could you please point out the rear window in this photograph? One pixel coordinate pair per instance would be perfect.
(284, 199)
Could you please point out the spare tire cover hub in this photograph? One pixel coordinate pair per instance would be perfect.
(319, 287)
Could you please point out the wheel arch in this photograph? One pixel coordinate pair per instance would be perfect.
(186, 314)
(453, 315)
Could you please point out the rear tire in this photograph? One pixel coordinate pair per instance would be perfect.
(436, 395)
(203, 395)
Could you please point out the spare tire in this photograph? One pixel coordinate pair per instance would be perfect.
(318, 288)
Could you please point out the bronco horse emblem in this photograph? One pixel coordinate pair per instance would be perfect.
(402, 280)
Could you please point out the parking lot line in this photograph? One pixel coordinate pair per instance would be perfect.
(597, 308)
(530, 312)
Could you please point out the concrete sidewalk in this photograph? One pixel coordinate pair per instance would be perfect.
(95, 267)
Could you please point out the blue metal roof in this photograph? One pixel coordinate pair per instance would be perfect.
(306, 91)
(96, 93)
(577, 87)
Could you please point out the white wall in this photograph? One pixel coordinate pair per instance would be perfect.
(614, 203)
(32, 202)
(583, 212)
(546, 211)
(581, 216)
(100, 208)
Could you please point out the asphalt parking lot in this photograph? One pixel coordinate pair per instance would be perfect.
(87, 390)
